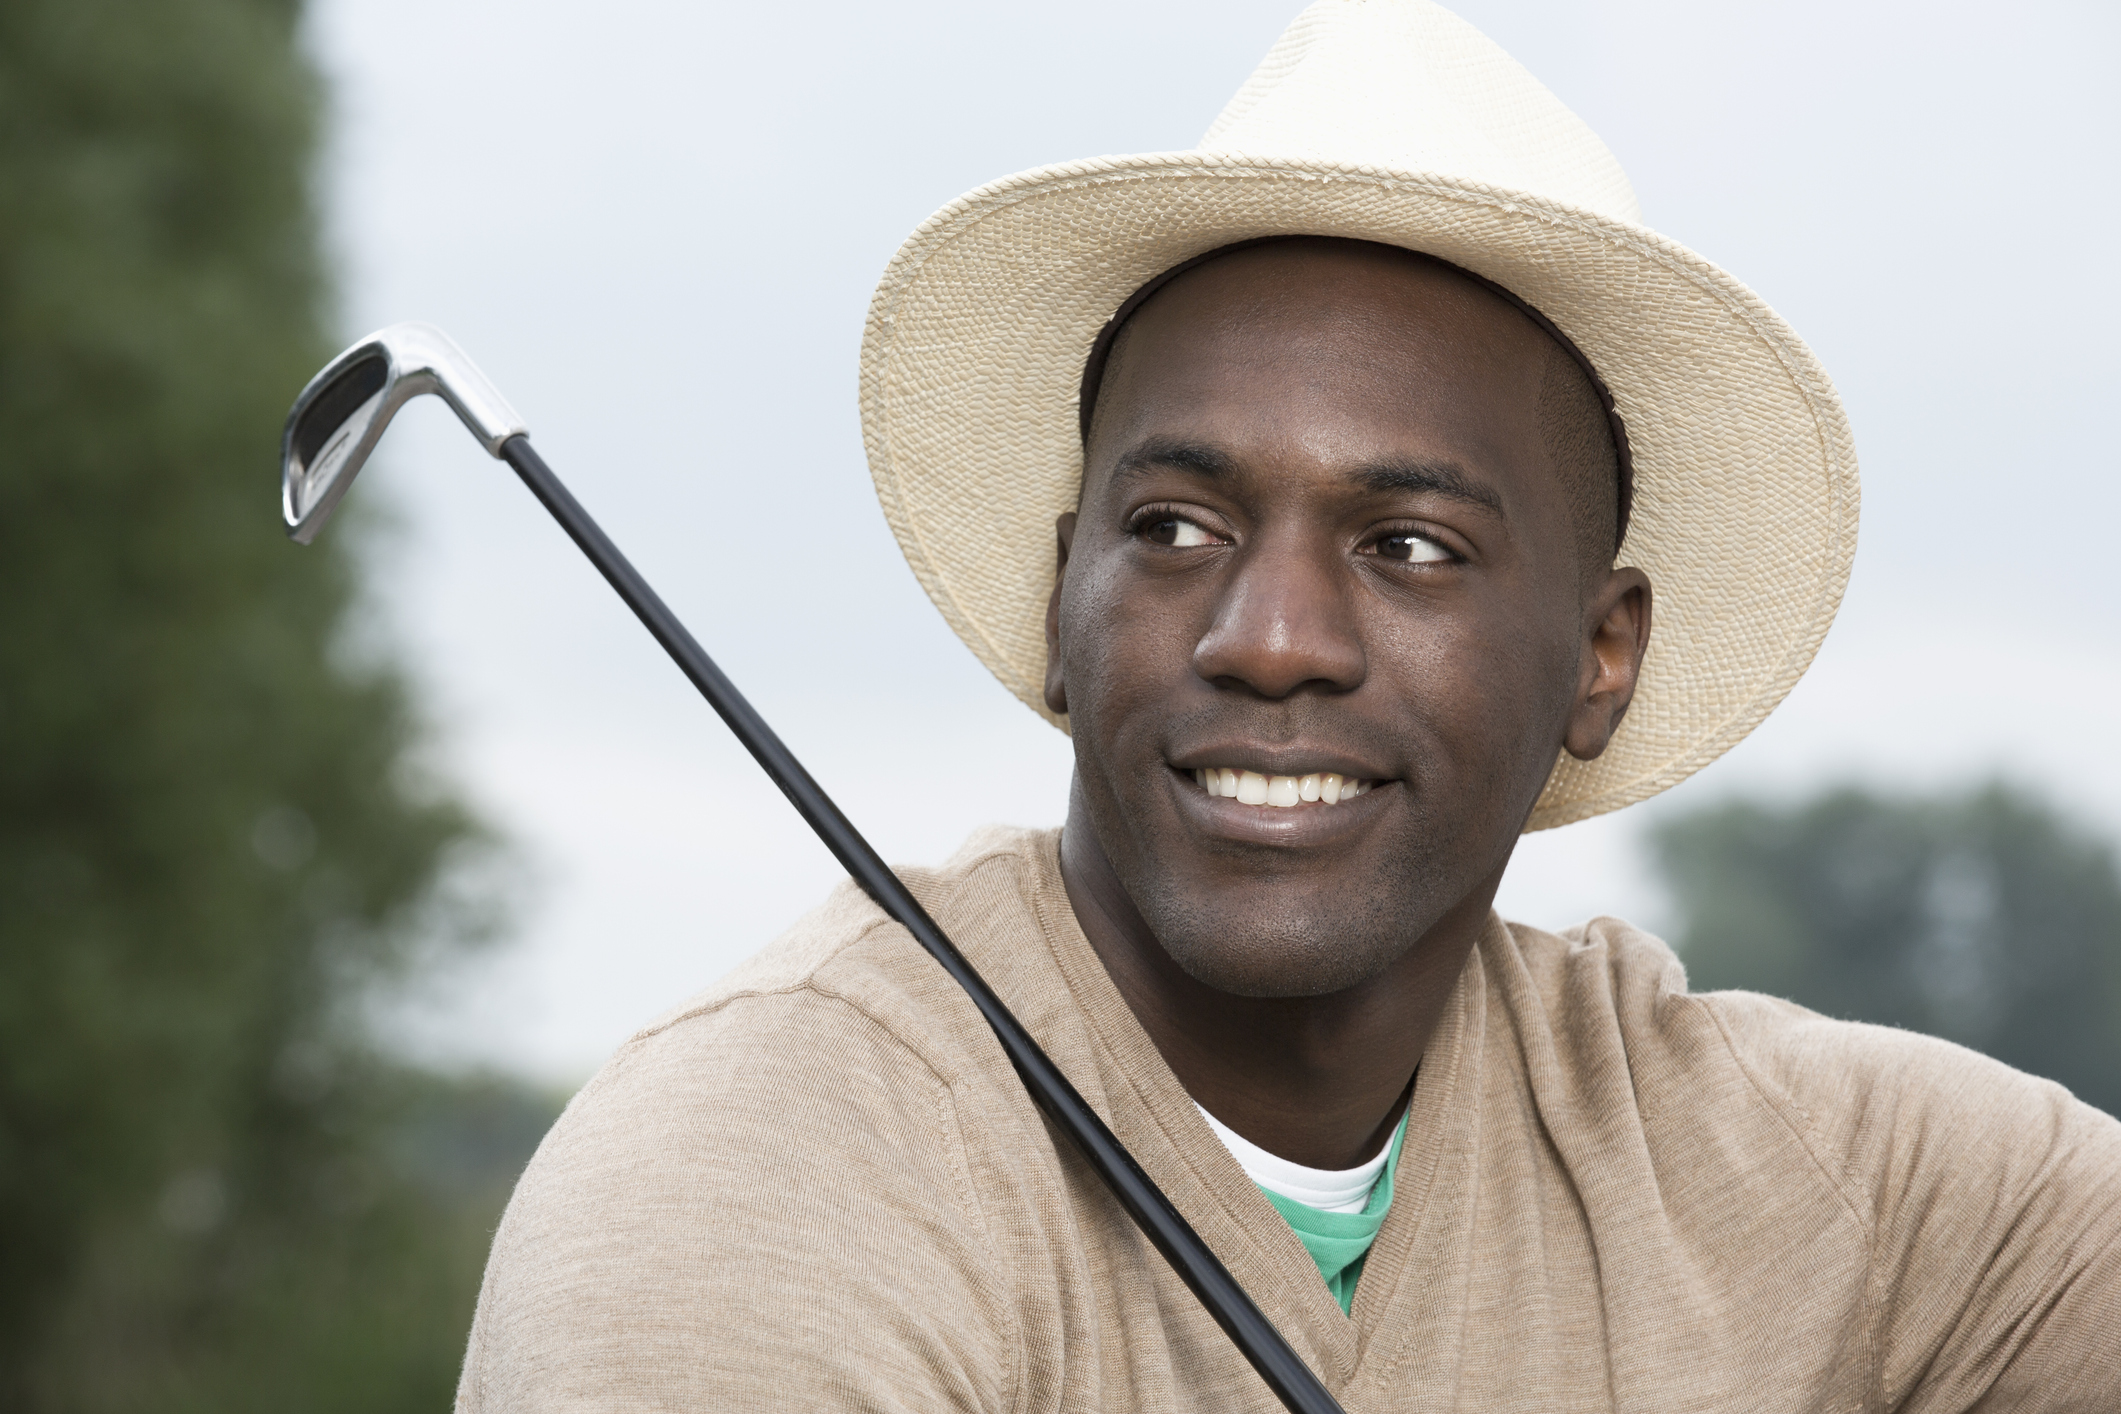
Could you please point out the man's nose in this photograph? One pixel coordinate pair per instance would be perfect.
(1286, 618)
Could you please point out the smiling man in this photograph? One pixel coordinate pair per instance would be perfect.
(1321, 482)
(1339, 590)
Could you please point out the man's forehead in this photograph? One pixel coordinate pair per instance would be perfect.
(1307, 296)
(1382, 362)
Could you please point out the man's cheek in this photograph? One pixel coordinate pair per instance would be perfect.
(1131, 661)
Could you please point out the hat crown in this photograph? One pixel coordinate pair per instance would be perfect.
(1408, 86)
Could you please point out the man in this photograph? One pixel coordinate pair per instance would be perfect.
(1391, 432)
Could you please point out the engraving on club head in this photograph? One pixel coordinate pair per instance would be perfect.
(340, 417)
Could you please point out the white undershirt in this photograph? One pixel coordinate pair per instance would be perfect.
(1329, 1190)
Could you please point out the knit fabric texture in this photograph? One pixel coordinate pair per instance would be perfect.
(820, 1186)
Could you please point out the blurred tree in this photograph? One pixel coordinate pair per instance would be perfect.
(1984, 917)
(210, 838)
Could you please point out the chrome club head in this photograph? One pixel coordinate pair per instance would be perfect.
(340, 417)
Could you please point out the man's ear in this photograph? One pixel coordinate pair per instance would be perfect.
(1616, 634)
(1056, 680)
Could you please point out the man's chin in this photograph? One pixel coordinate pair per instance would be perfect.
(1296, 955)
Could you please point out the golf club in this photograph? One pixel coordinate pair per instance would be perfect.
(331, 432)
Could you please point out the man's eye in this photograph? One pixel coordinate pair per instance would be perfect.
(1175, 530)
(1412, 549)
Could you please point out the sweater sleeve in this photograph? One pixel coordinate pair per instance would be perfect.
(1994, 1203)
(765, 1205)
(2000, 1234)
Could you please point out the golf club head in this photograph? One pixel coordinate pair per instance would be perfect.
(340, 417)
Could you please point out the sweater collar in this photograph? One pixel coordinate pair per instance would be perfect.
(1140, 1097)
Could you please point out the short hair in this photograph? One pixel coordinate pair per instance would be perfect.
(1577, 428)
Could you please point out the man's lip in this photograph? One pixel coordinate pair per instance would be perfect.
(1275, 761)
(1304, 826)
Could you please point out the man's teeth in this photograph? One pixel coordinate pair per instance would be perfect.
(1252, 788)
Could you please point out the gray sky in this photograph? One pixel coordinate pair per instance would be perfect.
(657, 227)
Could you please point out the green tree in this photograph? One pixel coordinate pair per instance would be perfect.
(1986, 917)
(210, 842)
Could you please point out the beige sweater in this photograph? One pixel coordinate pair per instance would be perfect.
(820, 1187)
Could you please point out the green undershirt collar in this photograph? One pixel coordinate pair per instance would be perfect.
(1339, 1242)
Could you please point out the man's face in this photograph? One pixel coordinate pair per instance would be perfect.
(1321, 533)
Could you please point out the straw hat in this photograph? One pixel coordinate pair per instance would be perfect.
(1391, 121)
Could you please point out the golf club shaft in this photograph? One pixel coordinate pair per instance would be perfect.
(1279, 1365)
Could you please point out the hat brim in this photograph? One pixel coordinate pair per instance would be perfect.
(1745, 471)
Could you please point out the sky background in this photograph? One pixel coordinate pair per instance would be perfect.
(657, 225)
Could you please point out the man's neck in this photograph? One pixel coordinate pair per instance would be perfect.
(1319, 1081)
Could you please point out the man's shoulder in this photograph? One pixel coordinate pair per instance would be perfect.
(841, 1028)
(1915, 1114)
(786, 1153)
(846, 965)
(1869, 1102)
(1638, 977)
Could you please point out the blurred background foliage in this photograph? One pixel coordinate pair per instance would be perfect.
(216, 1191)
(215, 844)
(1984, 916)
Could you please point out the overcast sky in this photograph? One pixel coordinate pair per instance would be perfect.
(657, 225)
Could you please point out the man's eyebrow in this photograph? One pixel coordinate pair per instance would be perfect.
(1435, 478)
(1211, 463)
(1159, 453)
